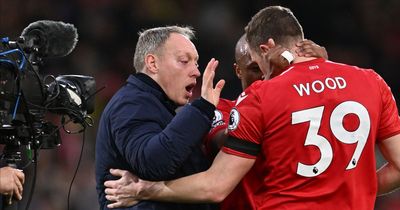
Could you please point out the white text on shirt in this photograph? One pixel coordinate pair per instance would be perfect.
(318, 86)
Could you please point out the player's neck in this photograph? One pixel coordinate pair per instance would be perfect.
(302, 59)
(299, 59)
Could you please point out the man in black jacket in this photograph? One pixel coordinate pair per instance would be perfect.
(139, 129)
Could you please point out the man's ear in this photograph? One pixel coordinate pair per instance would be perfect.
(238, 71)
(151, 63)
(268, 45)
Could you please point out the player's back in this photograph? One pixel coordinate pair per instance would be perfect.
(321, 121)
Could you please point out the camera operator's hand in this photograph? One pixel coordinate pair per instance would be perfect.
(11, 181)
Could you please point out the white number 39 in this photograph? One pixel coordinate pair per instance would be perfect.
(359, 136)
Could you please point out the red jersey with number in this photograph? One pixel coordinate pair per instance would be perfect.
(313, 131)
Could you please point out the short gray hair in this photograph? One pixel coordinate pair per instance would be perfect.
(151, 40)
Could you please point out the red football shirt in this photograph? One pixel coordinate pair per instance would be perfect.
(313, 131)
(240, 197)
(220, 122)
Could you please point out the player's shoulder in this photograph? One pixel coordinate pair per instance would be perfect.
(225, 104)
(355, 68)
(255, 86)
(260, 86)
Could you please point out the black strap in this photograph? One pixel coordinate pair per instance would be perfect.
(239, 145)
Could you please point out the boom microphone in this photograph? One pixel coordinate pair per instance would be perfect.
(51, 38)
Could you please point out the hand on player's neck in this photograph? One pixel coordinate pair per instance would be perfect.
(299, 59)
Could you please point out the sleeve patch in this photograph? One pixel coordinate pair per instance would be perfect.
(218, 119)
(234, 118)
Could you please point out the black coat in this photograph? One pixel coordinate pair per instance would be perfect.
(139, 131)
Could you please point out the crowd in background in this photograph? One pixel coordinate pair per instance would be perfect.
(359, 32)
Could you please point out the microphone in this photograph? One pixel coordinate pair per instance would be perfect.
(51, 38)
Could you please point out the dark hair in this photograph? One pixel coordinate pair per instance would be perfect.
(274, 22)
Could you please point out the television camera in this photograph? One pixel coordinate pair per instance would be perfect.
(26, 97)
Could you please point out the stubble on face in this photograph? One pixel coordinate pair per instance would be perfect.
(178, 70)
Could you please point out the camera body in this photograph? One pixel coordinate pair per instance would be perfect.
(26, 96)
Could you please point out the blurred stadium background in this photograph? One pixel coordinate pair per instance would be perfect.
(360, 32)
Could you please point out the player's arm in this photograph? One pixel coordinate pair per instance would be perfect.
(212, 185)
(216, 141)
(388, 138)
(389, 174)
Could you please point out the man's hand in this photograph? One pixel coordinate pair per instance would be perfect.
(208, 91)
(129, 189)
(305, 48)
(11, 182)
(308, 48)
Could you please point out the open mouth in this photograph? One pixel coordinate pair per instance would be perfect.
(190, 87)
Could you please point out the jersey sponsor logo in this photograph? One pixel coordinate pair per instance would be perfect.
(242, 96)
(315, 67)
(319, 86)
(234, 118)
(218, 119)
